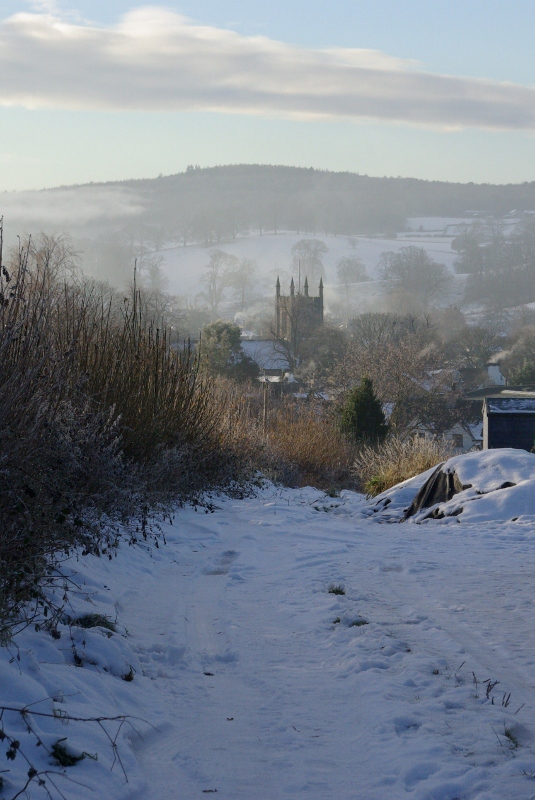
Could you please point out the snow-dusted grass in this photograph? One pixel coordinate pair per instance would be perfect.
(309, 444)
(260, 683)
(302, 443)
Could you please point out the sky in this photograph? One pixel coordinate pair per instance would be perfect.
(98, 91)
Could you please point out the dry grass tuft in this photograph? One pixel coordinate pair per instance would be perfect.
(377, 468)
(302, 444)
(306, 440)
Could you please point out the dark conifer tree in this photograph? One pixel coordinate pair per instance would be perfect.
(362, 415)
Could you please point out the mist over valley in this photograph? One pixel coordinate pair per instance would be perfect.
(170, 225)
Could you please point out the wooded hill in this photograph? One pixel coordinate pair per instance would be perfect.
(212, 204)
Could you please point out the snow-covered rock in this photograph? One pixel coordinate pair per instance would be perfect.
(483, 486)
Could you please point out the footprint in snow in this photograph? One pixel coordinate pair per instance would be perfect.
(406, 725)
(157, 659)
(222, 564)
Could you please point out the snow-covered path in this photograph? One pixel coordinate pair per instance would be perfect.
(263, 695)
(260, 684)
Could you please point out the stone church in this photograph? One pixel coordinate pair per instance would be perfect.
(297, 310)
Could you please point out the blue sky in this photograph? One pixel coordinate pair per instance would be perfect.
(71, 112)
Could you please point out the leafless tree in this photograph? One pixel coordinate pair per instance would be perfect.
(243, 279)
(309, 252)
(349, 270)
(407, 368)
(53, 254)
(474, 346)
(414, 271)
(216, 278)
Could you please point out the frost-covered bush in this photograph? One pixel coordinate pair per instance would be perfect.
(101, 421)
(379, 467)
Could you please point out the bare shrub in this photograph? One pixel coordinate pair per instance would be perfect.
(302, 444)
(61, 469)
(309, 439)
(379, 467)
(170, 423)
(102, 422)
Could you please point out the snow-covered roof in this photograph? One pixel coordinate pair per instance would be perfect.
(510, 405)
(495, 377)
(476, 430)
(388, 409)
(265, 353)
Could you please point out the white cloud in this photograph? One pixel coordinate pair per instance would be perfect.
(157, 60)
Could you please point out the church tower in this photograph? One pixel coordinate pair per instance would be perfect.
(297, 310)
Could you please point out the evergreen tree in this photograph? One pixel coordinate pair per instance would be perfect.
(362, 415)
(524, 375)
(222, 354)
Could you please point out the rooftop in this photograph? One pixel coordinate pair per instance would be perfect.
(511, 405)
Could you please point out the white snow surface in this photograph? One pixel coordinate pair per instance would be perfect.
(500, 487)
(255, 682)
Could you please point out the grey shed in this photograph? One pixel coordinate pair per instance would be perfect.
(509, 422)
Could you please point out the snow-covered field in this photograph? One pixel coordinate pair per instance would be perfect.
(254, 681)
(184, 266)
